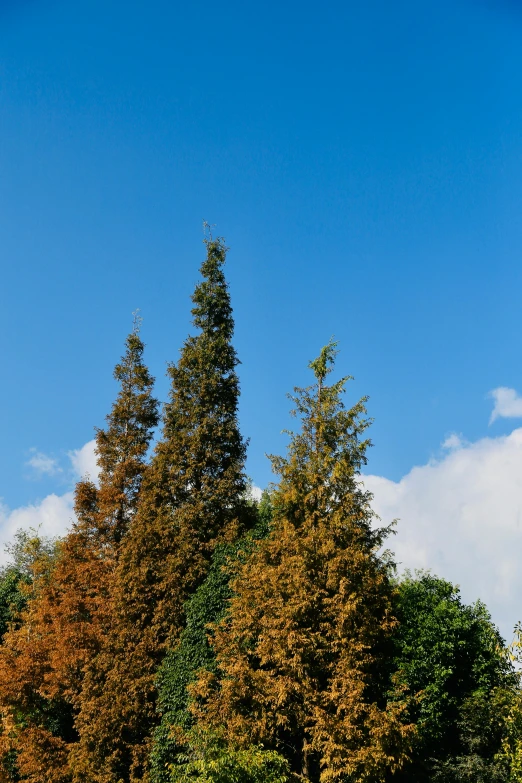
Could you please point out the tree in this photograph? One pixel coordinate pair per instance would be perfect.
(193, 499)
(30, 555)
(212, 759)
(12, 599)
(173, 746)
(63, 626)
(453, 655)
(300, 650)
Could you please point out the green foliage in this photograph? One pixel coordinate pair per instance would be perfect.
(194, 652)
(453, 655)
(213, 760)
(32, 555)
(509, 757)
(12, 598)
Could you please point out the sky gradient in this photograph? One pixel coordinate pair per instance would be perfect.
(363, 161)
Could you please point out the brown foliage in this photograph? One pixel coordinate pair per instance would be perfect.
(191, 499)
(42, 662)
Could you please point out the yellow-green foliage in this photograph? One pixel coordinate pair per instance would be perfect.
(299, 652)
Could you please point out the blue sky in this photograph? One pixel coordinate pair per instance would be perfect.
(363, 161)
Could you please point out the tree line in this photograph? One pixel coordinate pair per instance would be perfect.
(184, 632)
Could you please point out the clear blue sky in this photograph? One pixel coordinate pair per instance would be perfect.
(362, 159)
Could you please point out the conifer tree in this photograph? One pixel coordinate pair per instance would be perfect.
(298, 655)
(193, 498)
(195, 494)
(68, 613)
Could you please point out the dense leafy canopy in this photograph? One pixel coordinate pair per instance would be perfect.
(453, 656)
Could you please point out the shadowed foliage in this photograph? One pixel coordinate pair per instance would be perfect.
(193, 498)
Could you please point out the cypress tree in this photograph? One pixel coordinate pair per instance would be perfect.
(193, 499)
(122, 447)
(195, 495)
(299, 653)
(42, 662)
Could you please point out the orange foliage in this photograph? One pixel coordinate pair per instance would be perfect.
(68, 614)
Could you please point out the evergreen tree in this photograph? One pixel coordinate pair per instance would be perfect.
(122, 447)
(300, 651)
(68, 613)
(193, 498)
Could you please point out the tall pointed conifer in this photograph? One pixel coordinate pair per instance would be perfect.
(193, 498)
(42, 663)
(298, 654)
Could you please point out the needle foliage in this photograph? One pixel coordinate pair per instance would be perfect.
(68, 610)
(193, 498)
(299, 651)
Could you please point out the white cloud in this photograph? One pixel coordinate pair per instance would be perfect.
(453, 441)
(51, 516)
(83, 461)
(508, 404)
(256, 492)
(43, 464)
(461, 517)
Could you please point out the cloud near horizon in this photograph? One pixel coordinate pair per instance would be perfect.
(54, 514)
(461, 517)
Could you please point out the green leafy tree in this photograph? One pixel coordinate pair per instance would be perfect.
(300, 650)
(507, 710)
(193, 498)
(30, 557)
(12, 598)
(212, 759)
(453, 656)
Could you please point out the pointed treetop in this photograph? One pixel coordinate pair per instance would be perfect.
(137, 321)
(212, 311)
(207, 230)
(325, 361)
